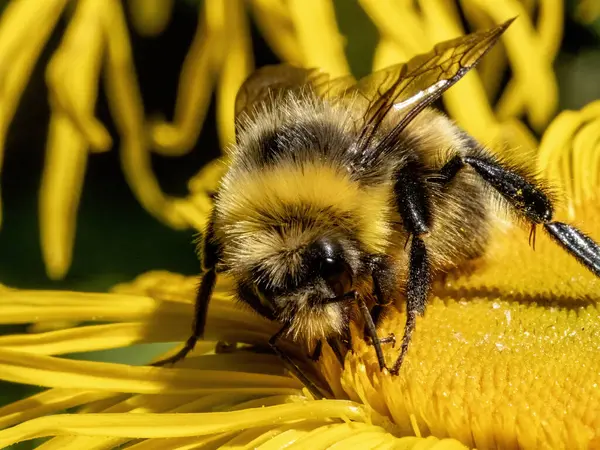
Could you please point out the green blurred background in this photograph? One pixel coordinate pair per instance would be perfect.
(116, 239)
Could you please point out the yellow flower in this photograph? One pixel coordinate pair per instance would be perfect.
(497, 362)
(506, 356)
(509, 361)
(96, 44)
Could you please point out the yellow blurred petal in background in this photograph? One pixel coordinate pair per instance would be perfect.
(72, 77)
(306, 33)
(25, 25)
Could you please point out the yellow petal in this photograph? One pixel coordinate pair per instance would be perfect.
(62, 182)
(25, 26)
(573, 168)
(325, 48)
(587, 11)
(530, 63)
(73, 72)
(467, 101)
(47, 402)
(274, 21)
(174, 425)
(236, 68)
(127, 108)
(196, 81)
(150, 17)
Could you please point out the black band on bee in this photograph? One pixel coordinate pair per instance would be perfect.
(295, 138)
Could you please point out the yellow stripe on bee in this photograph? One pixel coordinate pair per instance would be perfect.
(319, 186)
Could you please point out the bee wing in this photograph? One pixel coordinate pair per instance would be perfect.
(410, 87)
(269, 82)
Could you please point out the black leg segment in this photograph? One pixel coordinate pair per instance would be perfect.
(413, 205)
(524, 195)
(210, 256)
(582, 247)
(316, 354)
(371, 331)
(529, 200)
(417, 293)
(291, 365)
(412, 199)
(338, 350)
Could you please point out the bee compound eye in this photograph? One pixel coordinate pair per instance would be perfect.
(328, 256)
(338, 275)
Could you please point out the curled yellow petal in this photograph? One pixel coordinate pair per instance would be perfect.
(466, 102)
(72, 77)
(74, 70)
(387, 53)
(433, 21)
(275, 23)
(236, 68)
(127, 109)
(25, 26)
(587, 10)
(530, 62)
(62, 182)
(491, 68)
(196, 81)
(150, 17)
(569, 154)
(325, 48)
(387, 14)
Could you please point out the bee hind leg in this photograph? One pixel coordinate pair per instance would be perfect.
(529, 200)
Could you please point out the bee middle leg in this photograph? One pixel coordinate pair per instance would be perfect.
(412, 201)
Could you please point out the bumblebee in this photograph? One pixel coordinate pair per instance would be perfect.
(343, 194)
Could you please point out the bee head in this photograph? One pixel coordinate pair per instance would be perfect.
(311, 295)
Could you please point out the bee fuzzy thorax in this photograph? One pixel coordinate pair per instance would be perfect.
(289, 183)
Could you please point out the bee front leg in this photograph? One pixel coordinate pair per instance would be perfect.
(371, 330)
(211, 252)
(384, 282)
